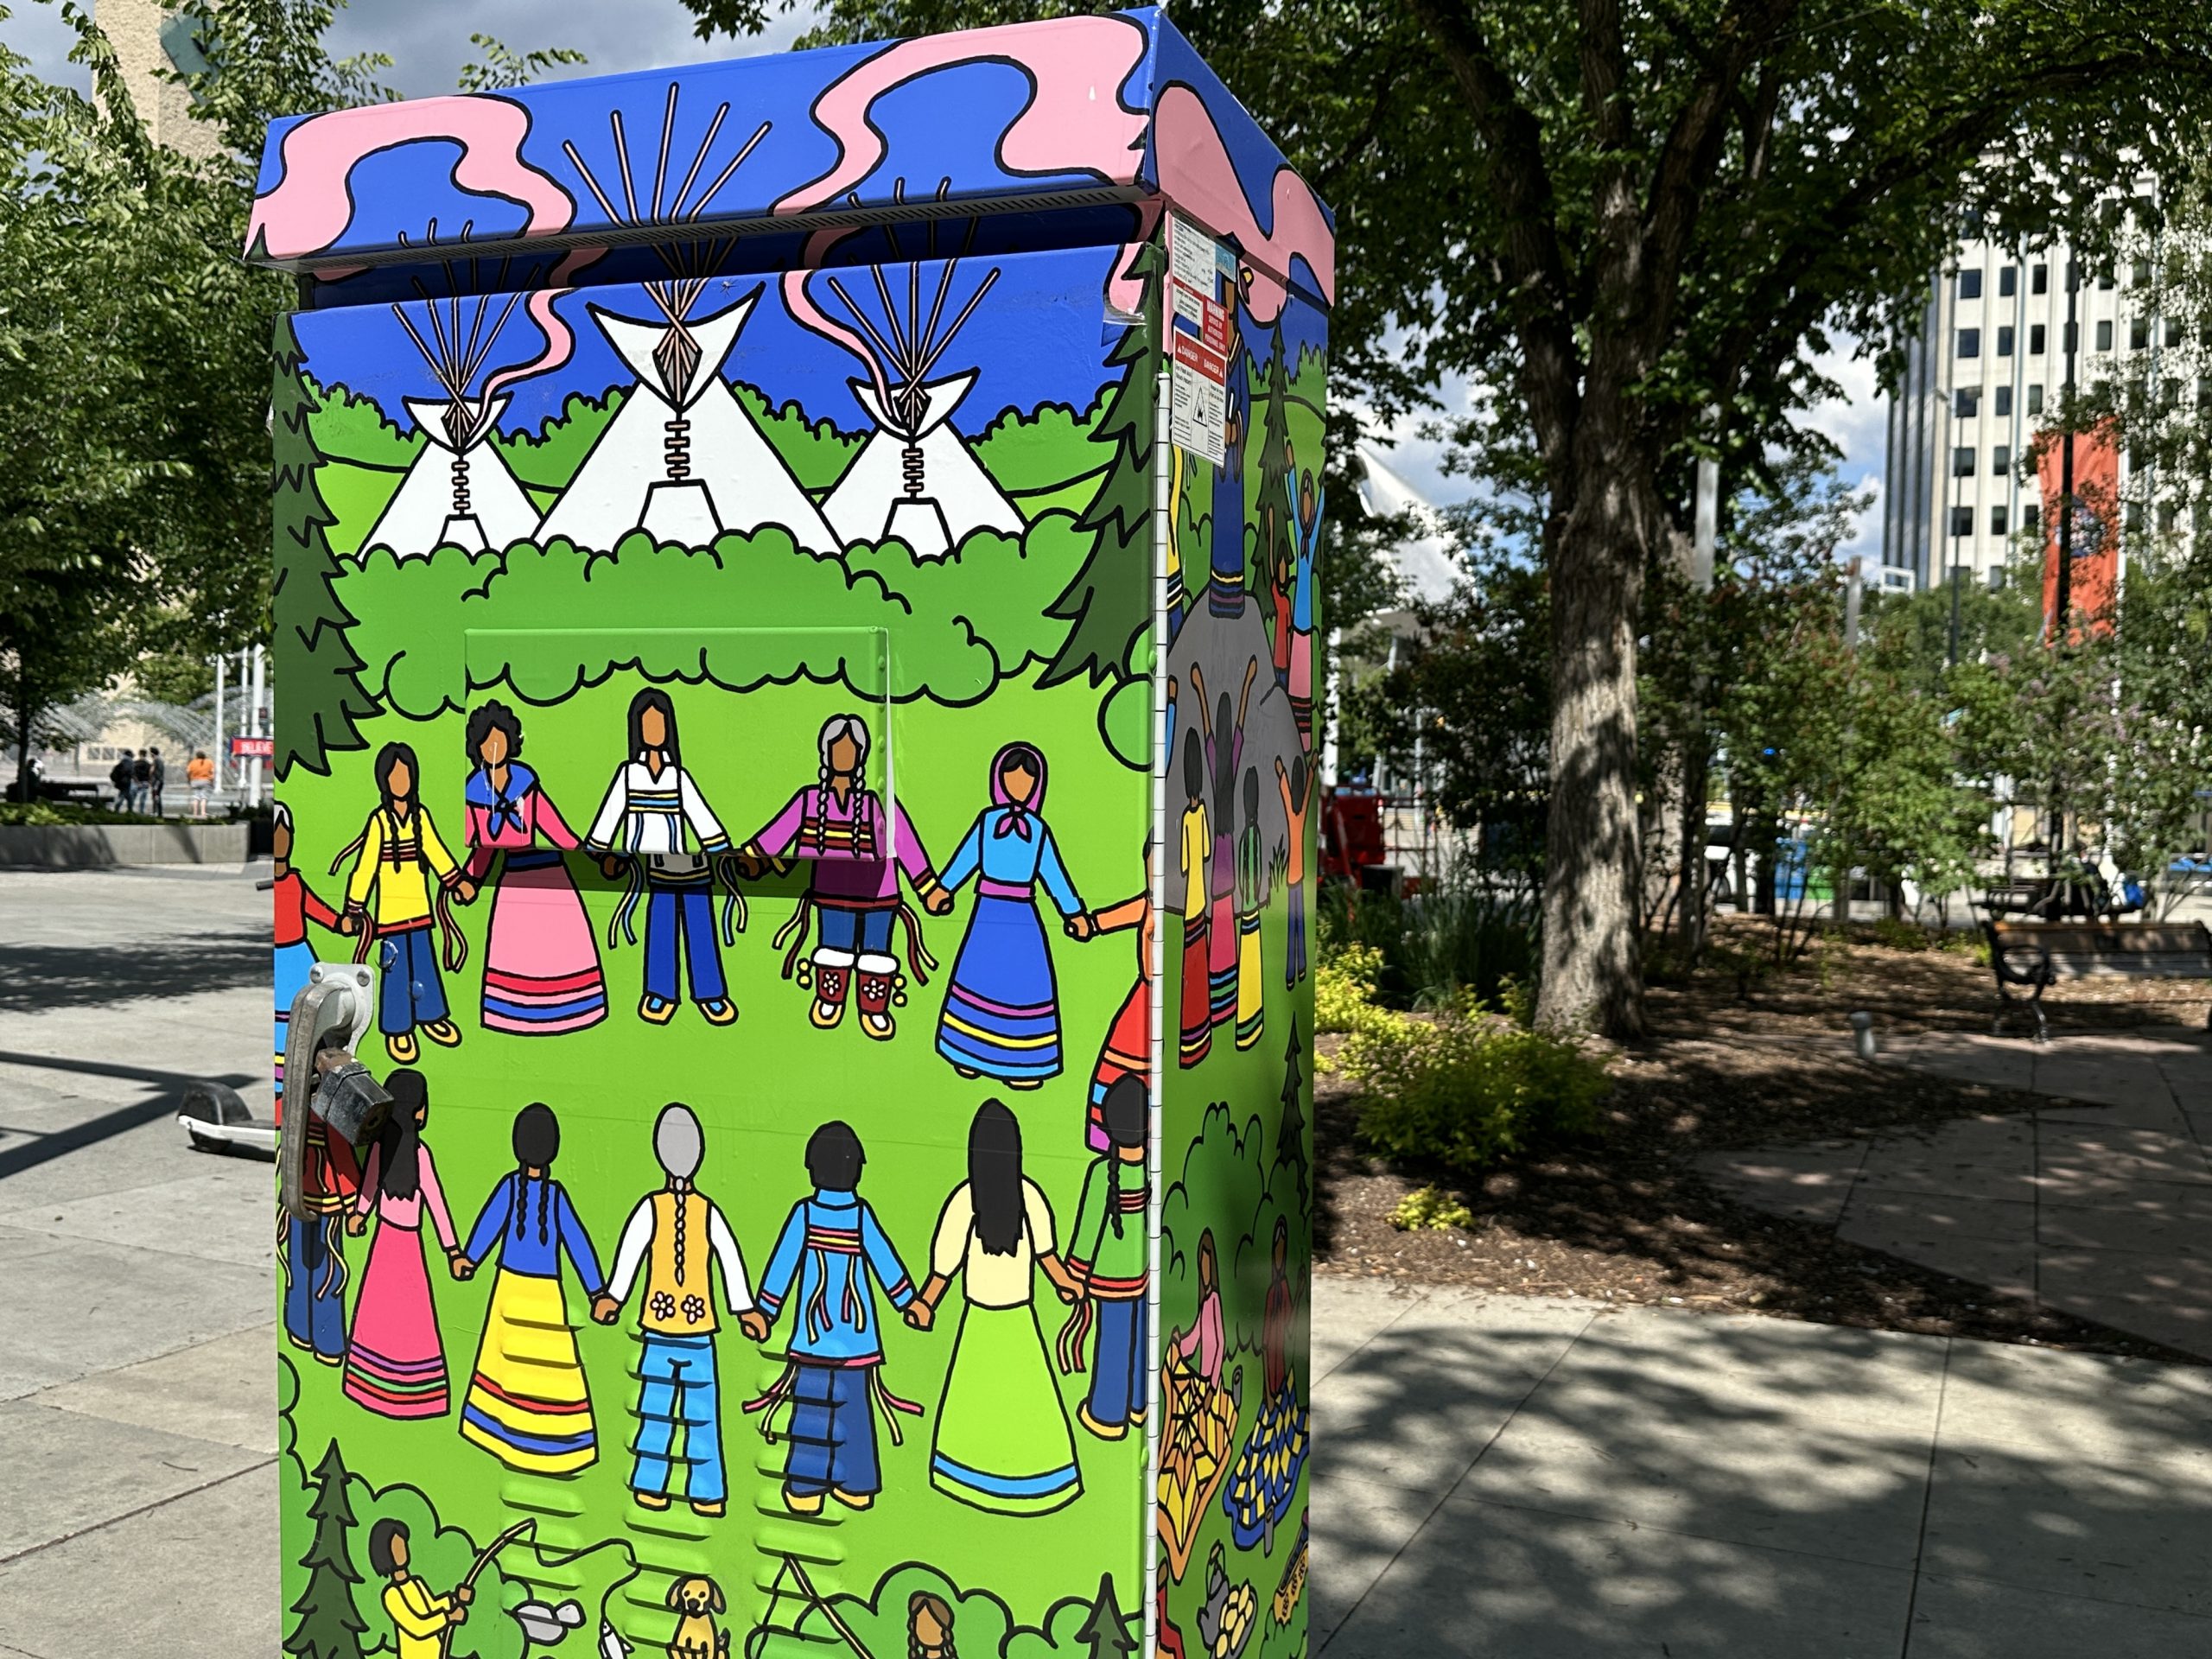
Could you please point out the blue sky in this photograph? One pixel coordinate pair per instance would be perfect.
(429, 41)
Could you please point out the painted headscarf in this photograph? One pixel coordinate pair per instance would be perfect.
(1017, 813)
(503, 807)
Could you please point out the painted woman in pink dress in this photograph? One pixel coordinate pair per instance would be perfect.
(395, 1364)
(541, 961)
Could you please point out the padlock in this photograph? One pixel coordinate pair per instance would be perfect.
(329, 1018)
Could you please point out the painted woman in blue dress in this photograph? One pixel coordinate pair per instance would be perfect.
(1001, 1015)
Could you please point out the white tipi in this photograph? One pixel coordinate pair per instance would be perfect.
(681, 460)
(916, 479)
(457, 493)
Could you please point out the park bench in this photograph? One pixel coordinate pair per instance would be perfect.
(2030, 957)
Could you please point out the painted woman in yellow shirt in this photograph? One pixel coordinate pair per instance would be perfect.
(420, 1617)
(1196, 839)
(390, 901)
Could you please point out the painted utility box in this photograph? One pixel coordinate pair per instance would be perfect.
(795, 602)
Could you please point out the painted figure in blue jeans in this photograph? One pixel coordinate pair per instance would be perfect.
(831, 1247)
(1108, 1257)
(676, 1237)
(642, 825)
(398, 905)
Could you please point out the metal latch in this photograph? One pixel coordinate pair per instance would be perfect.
(329, 1019)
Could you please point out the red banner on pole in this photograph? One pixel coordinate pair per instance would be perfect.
(253, 748)
(2093, 583)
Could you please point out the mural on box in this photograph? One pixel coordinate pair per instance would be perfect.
(724, 704)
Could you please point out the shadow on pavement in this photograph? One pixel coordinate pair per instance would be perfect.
(1742, 1489)
(34, 977)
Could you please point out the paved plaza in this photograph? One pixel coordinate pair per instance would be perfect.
(1495, 1476)
(2098, 1205)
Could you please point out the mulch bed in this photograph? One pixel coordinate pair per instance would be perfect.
(1733, 1060)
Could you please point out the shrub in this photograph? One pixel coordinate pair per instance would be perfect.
(1429, 1211)
(1459, 934)
(1899, 934)
(1466, 1088)
(44, 814)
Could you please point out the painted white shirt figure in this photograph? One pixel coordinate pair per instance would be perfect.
(648, 813)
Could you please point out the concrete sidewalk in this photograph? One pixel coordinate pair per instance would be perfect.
(137, 1391)
(1530, 1479)
(1514, 1478)
(2099, 1204)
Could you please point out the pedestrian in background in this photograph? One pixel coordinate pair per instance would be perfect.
(118, 776)
(142, 782)
(156, 775)
(200, 775)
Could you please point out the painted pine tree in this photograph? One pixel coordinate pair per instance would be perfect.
(328, 1627)
(315, 662)
(1107, 603)
(1276, 544)
(1290, 1129)
(1104, 1632)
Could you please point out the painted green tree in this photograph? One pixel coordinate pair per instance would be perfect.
(315, 660)
(1290, 1129)
(1105, 1630)
(329, 1628)
(1275, 542)
(1108, 604)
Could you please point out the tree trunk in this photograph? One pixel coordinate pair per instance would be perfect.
(1592, 977)
(26, 718)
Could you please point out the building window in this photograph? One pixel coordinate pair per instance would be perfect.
(1997, 577)
(1966, 403)
(2104, 282)
(2034, 397)
(2169, 515)
(2000, 460)
(2031, 517)
(1961, 521)
(2173, 333)
(1970, 341)
(2142, 275)
(2135, 518)
(2038, 338)
(2004, 403)
(2039, 280)
(2205, 392)
(2139, 334)
(1963, 462)
(2005, 342)
(1969, 285)
(2104, 336)
(2008, 282)
(1996, 521)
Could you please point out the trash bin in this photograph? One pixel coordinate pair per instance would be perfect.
(795, 593)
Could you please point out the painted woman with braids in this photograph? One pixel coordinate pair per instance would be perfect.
(855, 849)
(395, 1364)
(675, 1239)
(397, 904)
(535, 1415)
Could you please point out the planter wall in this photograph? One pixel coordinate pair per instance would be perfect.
(96, 846)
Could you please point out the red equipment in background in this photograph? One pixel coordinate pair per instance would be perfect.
(1351, 833)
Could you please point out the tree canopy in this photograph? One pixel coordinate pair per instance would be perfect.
(1616, 217)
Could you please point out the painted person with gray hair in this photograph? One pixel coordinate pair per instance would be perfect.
(856, 848)
(675, 1238)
